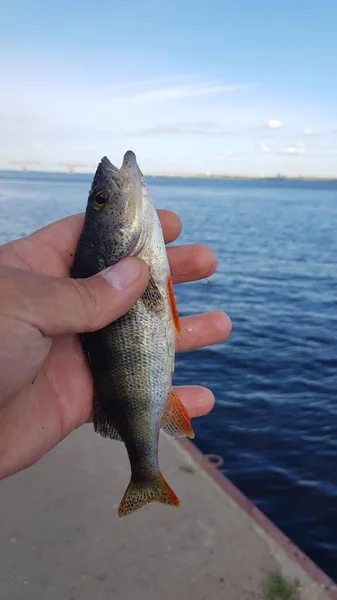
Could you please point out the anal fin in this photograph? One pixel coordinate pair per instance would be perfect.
(103, 425)
(176, 421)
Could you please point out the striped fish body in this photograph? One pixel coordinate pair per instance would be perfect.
(132, 359)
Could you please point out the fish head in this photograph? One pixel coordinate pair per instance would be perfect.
(114, 214)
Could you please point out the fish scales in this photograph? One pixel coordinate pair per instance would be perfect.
(132, 359)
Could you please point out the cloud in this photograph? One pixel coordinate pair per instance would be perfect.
(133, 85)
(37, 145)
(119, 107)
(273, 124)
(294, 150)
(166, 121)
(266, 129)
(324, 153)
(165, 89)
(308, 131)
(20, 118)
(177, 92)
(201, 128)
(225, 154)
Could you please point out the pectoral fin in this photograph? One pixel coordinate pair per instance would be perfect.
(173, 305)
(152, 297)
(176, 421)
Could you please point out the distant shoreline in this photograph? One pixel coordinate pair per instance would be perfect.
(203, 176)
(244, 177)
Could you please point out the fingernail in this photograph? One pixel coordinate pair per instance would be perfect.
(123, 274)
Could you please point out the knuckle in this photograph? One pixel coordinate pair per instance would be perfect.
(10, 287)
(89, 301)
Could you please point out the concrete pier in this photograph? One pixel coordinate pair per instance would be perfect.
(61, 538)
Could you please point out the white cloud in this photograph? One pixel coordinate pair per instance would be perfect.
(308, 131)
(37, 145)
(172, 123)
(176, 92)
(201, 128)
(108, 107)
(224, 153)
(294, 150)
(274, 124)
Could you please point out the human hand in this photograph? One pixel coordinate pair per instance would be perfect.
(45, 383)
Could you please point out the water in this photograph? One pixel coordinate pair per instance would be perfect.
(275, 380)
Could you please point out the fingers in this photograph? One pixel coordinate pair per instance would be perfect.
(171, 225)
(191, 262)
(198, 400)
(50, 251)
(63, 234)
(203, 330)
(57, 305)
(198, 331)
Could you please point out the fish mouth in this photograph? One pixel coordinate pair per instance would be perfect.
(106, 165)
(124, 190)
(131, 173)
(125, 185)
(106, 175)
(128, 173)
(130, 160)
(130, 167)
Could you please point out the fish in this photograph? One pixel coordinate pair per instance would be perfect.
(132, 359)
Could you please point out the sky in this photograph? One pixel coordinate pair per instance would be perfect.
(243, 88)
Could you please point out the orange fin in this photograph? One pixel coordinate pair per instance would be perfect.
(152, 297)
(176, 421)
(173, 305)
(144, 492)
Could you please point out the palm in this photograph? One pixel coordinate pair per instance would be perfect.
(60, 398)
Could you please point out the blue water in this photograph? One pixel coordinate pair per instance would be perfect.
(275, 380)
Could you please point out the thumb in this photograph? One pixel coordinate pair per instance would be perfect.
(58, 305)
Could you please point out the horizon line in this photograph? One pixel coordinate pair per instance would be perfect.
(184, 175)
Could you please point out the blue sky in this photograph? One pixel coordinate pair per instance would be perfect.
(246, 88)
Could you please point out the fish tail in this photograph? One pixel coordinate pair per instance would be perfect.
(144, 492)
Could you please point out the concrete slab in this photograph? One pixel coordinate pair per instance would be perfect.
(61, 538)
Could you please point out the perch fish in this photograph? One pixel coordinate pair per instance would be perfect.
(132, 359)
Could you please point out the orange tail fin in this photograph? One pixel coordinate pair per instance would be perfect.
(145, 492)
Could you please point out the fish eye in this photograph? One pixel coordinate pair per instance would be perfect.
(99, 200)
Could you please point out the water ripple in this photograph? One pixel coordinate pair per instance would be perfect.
(275, 380)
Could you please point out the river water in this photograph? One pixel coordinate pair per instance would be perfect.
(275, 380)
